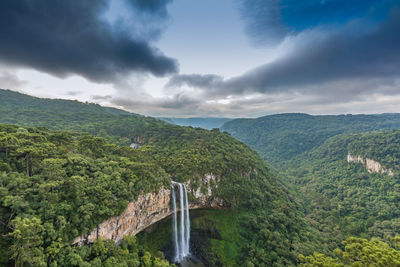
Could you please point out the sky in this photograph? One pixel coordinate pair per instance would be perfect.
(208, 58)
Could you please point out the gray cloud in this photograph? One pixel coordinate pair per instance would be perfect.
(195, 80)
(315, 58)
(101, 97)
(72, 37)
(151, 6)
(381, 97)
(262, 20)
(176, 103)
(9, 80)
(270, 21)
(73, 93)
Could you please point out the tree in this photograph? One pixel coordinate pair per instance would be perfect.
(34, 152)
(27, 242)
(8, 142)
(358, 252)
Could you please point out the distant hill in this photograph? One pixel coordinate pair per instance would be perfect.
(281, 137)
(113, 124)
(205, 123)
(10, 100)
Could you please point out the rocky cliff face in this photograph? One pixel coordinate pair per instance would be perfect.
(370, 165)
(151, 208)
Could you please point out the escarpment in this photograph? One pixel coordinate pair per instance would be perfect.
(150, 208)
(370, 164)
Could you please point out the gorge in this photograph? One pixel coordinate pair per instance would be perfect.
(88, 186)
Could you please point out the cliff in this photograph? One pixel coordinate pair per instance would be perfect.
(370, 164)
(150, 208)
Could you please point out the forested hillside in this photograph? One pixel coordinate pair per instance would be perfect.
(59, 184)
(75, 170)
(343, 198)
(281, 137)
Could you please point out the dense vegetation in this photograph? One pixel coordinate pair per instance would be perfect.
(68, 167)
(383, 147)
(56, 185)
(344, 199)
(281, 137)
(62, 184)
(340, 199)
(359, 252)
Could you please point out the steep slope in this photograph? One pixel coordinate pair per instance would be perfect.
(115, 125)
(347, 187)
(281, 137)
(245, 183)
(56, 185)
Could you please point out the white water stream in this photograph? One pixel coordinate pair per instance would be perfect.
(181, 234)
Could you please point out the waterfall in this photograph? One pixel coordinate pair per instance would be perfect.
(183, 228)
(175, 226)
(187, 221)
(181, 234)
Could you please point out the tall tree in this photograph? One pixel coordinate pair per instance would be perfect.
(27, 242)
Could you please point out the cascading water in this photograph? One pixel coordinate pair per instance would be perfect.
(181, 234)
(174, 221)
(187, 221)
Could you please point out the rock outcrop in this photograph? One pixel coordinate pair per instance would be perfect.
(151, 208)
(135, 145)
(370, 164)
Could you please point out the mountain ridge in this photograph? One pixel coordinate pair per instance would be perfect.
(280, 137)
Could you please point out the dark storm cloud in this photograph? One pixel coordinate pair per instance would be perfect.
(317, 57)
(151, 6)
(270, 21)
(72, 37)
(263, 20)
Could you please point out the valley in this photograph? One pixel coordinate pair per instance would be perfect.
(83, 188)
(105, 165)
(187, 133)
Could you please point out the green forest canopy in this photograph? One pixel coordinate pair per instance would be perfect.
(50, 179)
(61, 173)
(280, 137)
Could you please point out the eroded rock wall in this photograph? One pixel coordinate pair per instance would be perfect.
(151, 208)
(370, 164)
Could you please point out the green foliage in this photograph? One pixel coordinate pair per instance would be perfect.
(281, 137)
(27, 241)
(357, 252)
(107, 253)
(343, 199)
(73, 181)
(340, 199)
(382, 146)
